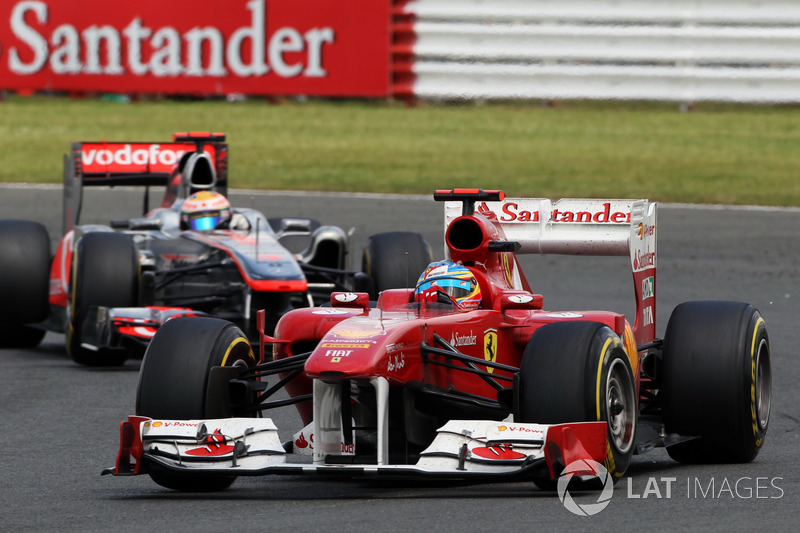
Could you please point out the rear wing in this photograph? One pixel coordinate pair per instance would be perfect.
(575, 227)
(136, 164)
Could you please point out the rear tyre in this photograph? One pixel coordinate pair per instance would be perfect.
(579, 372)
(716, 381)
(173, 382)
(24, 282)
(395, 259)
(105, 272)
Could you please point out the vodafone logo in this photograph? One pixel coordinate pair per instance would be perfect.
(153, 155)
(135, 157)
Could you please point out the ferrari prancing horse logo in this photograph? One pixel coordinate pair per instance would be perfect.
(490, 347)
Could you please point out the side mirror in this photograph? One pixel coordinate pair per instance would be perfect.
(358, 300)
(521, 300)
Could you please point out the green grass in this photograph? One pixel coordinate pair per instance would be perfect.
(713, 154)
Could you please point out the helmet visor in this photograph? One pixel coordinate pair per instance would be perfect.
(204, 222)
(457, 288)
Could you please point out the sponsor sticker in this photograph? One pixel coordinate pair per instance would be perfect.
(396, 362)
(525, 211)
(437, 271)
(648, 287)
(644, 259)
(645, 230)
(647, 316)
(490, 347)
(338, 353)
(344, 345)
(159, 423)
(459, 339)
(391, 348)
(358, 333)
(517, 433)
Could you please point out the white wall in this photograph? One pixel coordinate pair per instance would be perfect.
(678, 50)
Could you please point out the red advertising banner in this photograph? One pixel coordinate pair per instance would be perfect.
(257, 47)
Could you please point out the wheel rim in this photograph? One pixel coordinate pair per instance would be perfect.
(763, 384)
(620, 406)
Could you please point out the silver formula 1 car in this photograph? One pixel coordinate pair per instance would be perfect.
(110, 286)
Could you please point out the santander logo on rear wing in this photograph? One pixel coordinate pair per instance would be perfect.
(573, 226)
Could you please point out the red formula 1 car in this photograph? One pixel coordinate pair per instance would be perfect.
(110, 286)
(464, 376)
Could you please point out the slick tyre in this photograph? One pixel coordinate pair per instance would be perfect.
(579, 372)
(24, 282)
(716, 382)
(395, 259)
(174, 382)
(105, 272)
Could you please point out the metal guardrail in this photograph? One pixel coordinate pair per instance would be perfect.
(746, 12)
(680, 50)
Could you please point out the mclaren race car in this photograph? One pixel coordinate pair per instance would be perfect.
(466, 376)
(109, 287)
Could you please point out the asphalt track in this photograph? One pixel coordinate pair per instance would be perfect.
(59, 421)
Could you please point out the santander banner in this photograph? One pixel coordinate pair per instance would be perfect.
(203, 47)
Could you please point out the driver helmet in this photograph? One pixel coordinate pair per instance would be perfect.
(205, 210)
(451, 278)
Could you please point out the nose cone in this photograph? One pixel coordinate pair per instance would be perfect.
(363, 348)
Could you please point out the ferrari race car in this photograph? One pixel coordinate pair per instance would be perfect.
(466, 376)
(109, 287)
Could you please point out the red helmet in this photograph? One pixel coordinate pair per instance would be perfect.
(453, 279)
(205, 210)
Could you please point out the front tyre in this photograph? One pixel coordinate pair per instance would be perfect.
(173, 382)
(579, 372)
(105, 272)
(716, 381)
(24, 282)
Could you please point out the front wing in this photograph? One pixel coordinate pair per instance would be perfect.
(462, 449)
(116, 327)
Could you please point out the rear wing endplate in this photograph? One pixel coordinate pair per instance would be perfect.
(135, 164)
(582, 227)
